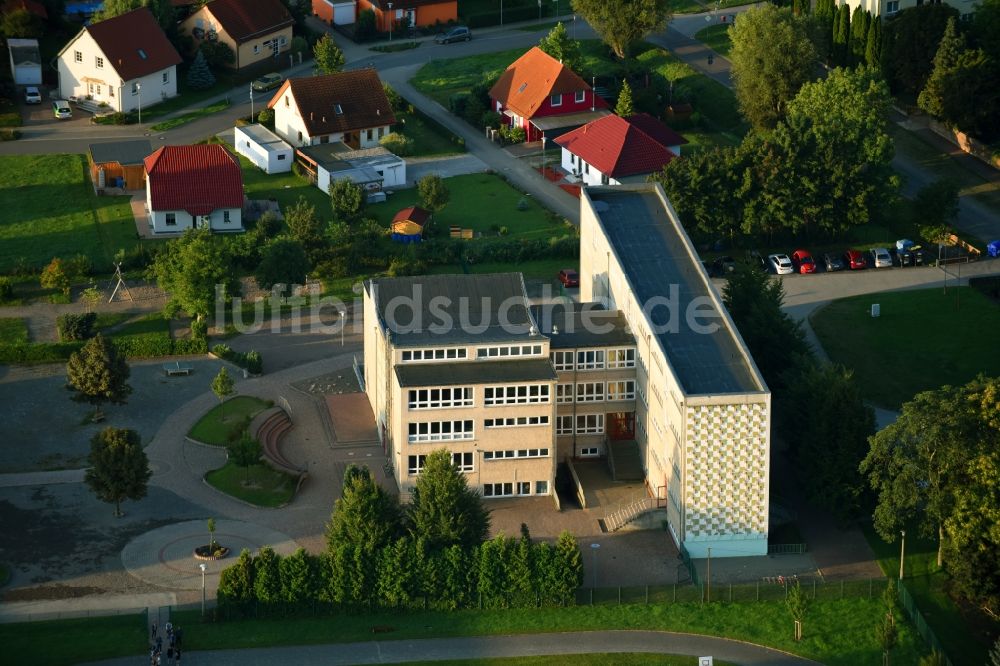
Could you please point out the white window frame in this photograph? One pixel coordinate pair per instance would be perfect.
(508, 454)
(99, 62)
(564, 424)
(78, 56)
(541, 487)
(516, 421)
(135, 87)
(580, 96)
(226, 217)
(589, 452)
(564, 394)
(590, 424)
(166, 76)
(504, 351)
(563, 360)
(622, 389)
(498, 489)
(170, 219)
(441, 431)
(434, 354)
(590, 359)
(464, 461)
(555, 100)
(892, 6)
(590, 392)
(256, 49)
(516, 394)
(445, 397)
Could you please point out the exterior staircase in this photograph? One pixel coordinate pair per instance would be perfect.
(624, 460)
(618, 519)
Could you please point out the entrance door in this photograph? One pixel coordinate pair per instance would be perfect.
(620, 425)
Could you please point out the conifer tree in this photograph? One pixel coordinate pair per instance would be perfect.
(624, 107)
(199, 76)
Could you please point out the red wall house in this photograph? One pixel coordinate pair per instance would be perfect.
(536, 85)
(414, 12)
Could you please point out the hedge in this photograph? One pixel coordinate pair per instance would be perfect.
(251, 361)
(134, 346)
(510, 15)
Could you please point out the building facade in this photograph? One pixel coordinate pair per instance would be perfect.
(194, 187)
(888, 8)
(257, 31)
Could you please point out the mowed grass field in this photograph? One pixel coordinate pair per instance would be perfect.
(49, 209)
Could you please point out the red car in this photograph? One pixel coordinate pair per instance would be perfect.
(569, 277)
(803, 261)
(855, 260)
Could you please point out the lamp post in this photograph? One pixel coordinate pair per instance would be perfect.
(543, 155)
(203, 568)
(708, 577)
(392, 19)
(902, 553)
(251, 102)
(138, 90)
(343, 325)
(594, 547)
(501, 12)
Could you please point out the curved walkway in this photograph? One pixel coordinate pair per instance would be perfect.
(517, 645)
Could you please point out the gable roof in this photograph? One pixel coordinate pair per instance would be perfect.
(30, 6)
(531, 79)
(24, 52)
(133, 43)
(618, 147)
(339, 102)
(656, 129)
(198, 179)
(245, 19)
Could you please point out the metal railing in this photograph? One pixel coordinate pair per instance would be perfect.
(786, 548)
(626, 514)
(924, 629)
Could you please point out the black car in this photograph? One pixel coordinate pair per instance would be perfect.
(722, 267)
(833, 262)
(457, 34)
(757, 260)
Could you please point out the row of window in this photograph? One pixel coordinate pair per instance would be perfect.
(596, 391)
(171, 218)
(515, 489)
(503, 351)
(441, 431)
(580, 96)
(458, 396)
(581, 424)
(439, 354)
(516, 421)
(516, 395)
(594, 359)
(463, 461)
(515, 453)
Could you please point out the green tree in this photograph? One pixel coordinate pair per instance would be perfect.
(622, 24)
(299, 577)
(935, 658)
(210, 524)
(217, 53)
(223, 386)
(624, 106)
(199, 76)
(772, 56)
(55, 276)
(365, 516)
(347, 200)
(98, 374)
(329, 57)
(20, 24)
(873, 44)
(303, 223)
(244, 451)
(433, 193)
(936, 206)
(458, 577)
(521, 572)
(986, 27)
(395, 570)
(190, 269)
(560, 46)
(841, 35)
(267, 576)
(283, 261)
(949, 50)
(860, 20)
(797, 604)
(995, 654)
(567, 569)
(887, 636)
(365, 28)
(236, 582)
(443, 509)
(492, 583)
(910, 40)
(163, 10)
(823, 22)
(117, 468)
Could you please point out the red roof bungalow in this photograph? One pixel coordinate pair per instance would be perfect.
(194, 187)
(416, 13)
(540, 94)
(408, 224)
(613, 150)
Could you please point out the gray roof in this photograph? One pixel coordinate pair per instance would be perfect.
(475, 372)
(123, 152)
(466, 308)
(582, 325)
(656, 256)
(265, 138)
(24, 52)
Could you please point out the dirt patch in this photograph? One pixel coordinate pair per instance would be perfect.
(47, 592)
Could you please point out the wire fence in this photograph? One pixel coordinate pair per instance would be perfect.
(925, 631)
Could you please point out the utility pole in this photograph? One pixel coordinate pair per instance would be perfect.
(708, 578)
(902, 553)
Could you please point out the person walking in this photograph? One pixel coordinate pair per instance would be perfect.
(152, 631)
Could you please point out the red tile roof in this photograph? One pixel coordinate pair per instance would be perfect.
(358, 95)
(414, 214)
(246, 19)
(134, 44)
(198, 179)
(30, 6)
(656, 129)
(618, 147)
(531, 79)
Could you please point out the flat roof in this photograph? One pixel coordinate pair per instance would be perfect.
(333, 156)
(656, 255)
(122, 152)
(545, 123)
(474, 372)
(265, 137)
(572, 325)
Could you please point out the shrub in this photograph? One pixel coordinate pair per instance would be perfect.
(266, 117)
(513, 134)
(45, 352)
(251, 360)
(10, 134)
(397, 144)
(491, 119)
(199, 329)
(364, 29)
(396, 100)
(458, 102)
(6, 289)
(79, 266)
(76, 326)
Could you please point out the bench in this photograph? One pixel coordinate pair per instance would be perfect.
(177, 368)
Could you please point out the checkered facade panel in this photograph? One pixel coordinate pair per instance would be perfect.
(726, 470)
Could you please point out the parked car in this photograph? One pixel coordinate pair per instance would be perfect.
(803, 262)
(855, 260)
(32, 96)
(781, 264)
(267, 82)
(569, 277)
(906, 253)
(833, 262)
(881, 258)
(457, 34)
(757, 260)
(722, 267)
(60, 109)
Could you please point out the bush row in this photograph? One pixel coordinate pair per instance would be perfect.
(251, 360)
(131, 346)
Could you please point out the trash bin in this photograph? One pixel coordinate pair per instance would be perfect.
(993, 249)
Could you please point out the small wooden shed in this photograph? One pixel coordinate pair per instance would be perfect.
(408, 224)
(119, 164)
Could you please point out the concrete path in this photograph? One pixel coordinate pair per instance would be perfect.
(443, 649)
(445, 166)
(88, 606)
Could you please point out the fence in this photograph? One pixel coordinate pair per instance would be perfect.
(910, 606)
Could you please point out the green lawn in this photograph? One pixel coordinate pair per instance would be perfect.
(64, 642)
(13, 331)
(395, 46)
(547, 26)
(223, 421)
(259, 484)
(716, 37)
(440, 79)
(50, 210)
(108, 320)
(285, 188)
(963, 632)
(686, 6)
(617, 658)
(190, 116)
(428, 137)
(482, 202)
(922, 340)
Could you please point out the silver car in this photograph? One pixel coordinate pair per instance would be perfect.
(881, 258)
(60, 109)
(32, 96)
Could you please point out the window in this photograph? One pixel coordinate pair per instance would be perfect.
(586, 167)
(509, 350)
(77, 56)
(166, 76)
(515, 453)
(498, 489)
(564, 393)
(171, 220)
(142, 54)
(516, 421)
(589, 424)
(522, 87)
(590, 360)
(98, 89)
(516, 395)
(226, 217)
(256, 49)
(287, 102)
(580, 96)
(562, 360)
(621, 358)
(892, 7)
(590, 392)
(135, 88)
(440, 431)
(338, 109)
(282, 40)
(463, 461)
(541, 487)
(588, 452)
(623, 390)
(90, 88)
(564, 425)
(368, 135)
(458, 396)
(604, 179)
(281, 157)
(111, 91)
(300, 136)
(99, 61)
(556, 100)
(440, 354)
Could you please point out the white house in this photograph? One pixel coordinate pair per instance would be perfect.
(194, 187)
(372, 168)
(25, 62)
(264, 148)
(124, 62)
(350, 107)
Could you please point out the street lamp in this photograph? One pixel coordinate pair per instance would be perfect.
(501, 12)
(343, 325)
(543, 156)
(203, 568)
(392, 19)
(138, 90)
(594, 547)
(902, 553)
(251, 102)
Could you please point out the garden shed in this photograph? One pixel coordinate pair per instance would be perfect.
(408, 224)
(119, 164)
(25, 62)
(264, 148)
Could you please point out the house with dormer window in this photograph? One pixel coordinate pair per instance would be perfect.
(123, 62)
(544, 97)
(256, 30)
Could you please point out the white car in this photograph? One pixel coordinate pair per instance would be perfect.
(881, 258)
(32, 96)
(60, 109)
(781, 264)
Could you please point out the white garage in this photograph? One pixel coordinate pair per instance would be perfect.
(25, 62)
(264, 148)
